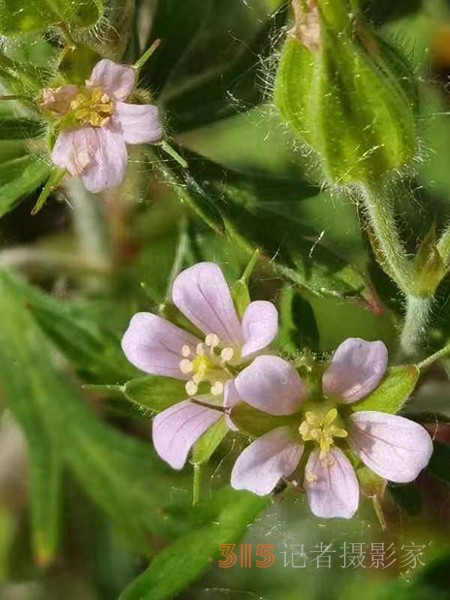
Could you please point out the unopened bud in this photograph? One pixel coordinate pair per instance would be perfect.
(346, 92)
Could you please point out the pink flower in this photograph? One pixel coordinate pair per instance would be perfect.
(158, 347)
(97, 123)
(391, 446)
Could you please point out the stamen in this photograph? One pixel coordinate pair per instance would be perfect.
(200, 349)
(197, 378)
(212, 340)
(186, 366)
(227, 354)
(185, 351)
(310, 477)
(217, 388)
(191, 388)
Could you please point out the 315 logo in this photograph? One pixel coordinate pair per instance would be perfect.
(264, 556)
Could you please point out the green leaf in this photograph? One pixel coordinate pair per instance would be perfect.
(298, 326)
(120, 474)
(255, 422)
(393, 391)
(407, 497)
(154, 393)
(93, 350)
(439, 464)
(266, 213)
(20, 129)
(176, 567)
(209, 442)
(199, 86)
(17, 16)
(19, 177)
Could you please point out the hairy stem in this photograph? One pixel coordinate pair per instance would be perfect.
(380, 213)
(412, 341)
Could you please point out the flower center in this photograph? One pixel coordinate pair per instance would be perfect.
(92, 107)
(207, 363)
(322, 427)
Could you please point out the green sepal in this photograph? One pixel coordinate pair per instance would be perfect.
(239, 291)
(254, 422)
(429, 267)
(393, 391)
(208, 443)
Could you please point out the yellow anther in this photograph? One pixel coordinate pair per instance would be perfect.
(321, 428)
(92, 107)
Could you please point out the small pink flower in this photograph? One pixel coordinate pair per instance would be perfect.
(391, 446)
(158, 347)
(97, 123)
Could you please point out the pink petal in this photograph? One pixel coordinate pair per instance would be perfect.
(109, 162)
(259, 326)
(74, 149)
(262, 464)
(272, 385)
(57, 100)
(356, 369)
(391, 446)
(176, 430)
(117, 81)
(331, 485)
(230, 399)
(203, 296)
(140, 123)
(154, 345)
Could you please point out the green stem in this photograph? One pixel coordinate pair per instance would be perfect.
(415, 326)
(434, 357)
(378, 208)
(144, 58)
(197, 482)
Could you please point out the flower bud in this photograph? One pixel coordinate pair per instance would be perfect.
(346, 92)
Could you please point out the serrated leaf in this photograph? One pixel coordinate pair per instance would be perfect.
(208, 443)
(19, 177)
(393, 391)
(171, 572)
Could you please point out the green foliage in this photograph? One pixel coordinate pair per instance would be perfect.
(17, 17)
(265, 213)
(18, 178)
(170, 573)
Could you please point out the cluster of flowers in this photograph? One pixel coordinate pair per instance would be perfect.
(321, 434)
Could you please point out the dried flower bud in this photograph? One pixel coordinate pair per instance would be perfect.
(346, 92)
